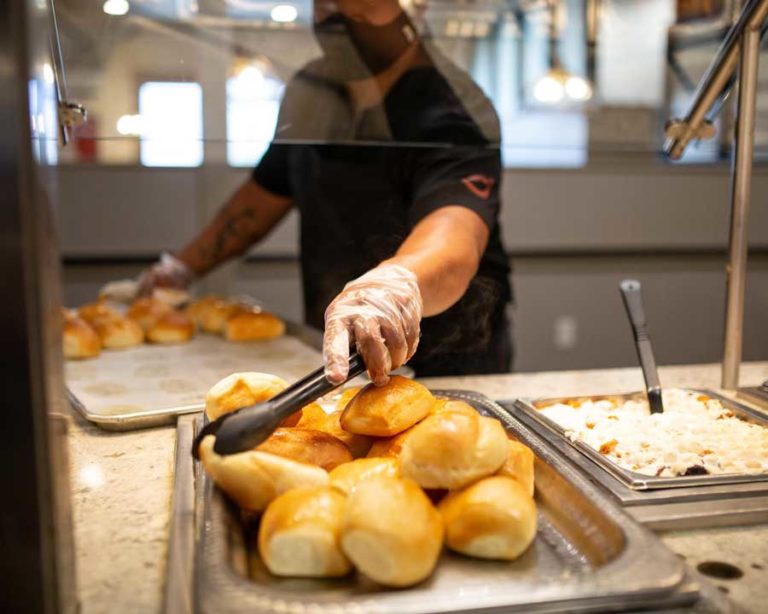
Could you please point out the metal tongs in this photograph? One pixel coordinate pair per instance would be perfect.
(633, 301)
(246, 428)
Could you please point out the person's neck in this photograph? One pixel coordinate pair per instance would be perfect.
(369, 92)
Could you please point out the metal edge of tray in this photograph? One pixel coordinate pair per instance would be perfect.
(168, 415)
(644, 573)
(177, 594)
(672, 508)
(633, 479)
(133, 420)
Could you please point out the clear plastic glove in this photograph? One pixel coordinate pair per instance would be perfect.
(169, 272)
(380, 312)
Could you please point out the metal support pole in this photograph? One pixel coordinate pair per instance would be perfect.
(741, 185)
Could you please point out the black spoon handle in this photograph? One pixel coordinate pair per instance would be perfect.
(633, 302)
(246, 428)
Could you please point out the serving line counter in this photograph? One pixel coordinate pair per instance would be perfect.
(122, 485)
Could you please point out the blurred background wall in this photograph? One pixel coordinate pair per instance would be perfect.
(182, 99)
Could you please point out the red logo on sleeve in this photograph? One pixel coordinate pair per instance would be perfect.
(479, 185)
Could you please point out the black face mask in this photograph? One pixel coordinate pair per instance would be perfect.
(356, 50)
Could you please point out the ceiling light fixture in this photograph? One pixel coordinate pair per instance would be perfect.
(559, 86)
(116, 7)
(284, 13)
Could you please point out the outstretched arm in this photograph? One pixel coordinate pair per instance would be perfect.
(247, 217)
(380, 311)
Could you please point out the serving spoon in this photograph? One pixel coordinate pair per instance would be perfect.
(633, 302)
(247, 427)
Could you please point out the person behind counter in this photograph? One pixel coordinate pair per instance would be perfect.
(397, 231)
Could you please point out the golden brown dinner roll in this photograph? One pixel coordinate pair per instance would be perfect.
(391, 531)
(79, 339)
(253, 479)
(118, 332)
(390, 446)
(253, 325)
(240, 390)
(346, 477)
(172, 327)
(198, 308)
(383, 411)
(519, 465)
(314, 417)
(452, 405)
(146, 311)
(346, 396)
(93, 312)
(452, 449)
(215, 316)
(300, 533)
(494, 518)
(307, 446)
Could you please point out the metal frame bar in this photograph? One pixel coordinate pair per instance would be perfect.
(715, 79)
(741, 48)
(741, 189)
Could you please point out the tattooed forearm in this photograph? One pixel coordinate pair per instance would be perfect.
(246, 218)
(235, 231)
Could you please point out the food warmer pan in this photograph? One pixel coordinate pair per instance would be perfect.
(690, 501)
(588, 555)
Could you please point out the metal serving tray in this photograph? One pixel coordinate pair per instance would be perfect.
(588, 555)
(634, 480)
(151, 385)
(686, 507)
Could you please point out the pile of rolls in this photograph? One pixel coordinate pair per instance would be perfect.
(99, 325)
(380, 485)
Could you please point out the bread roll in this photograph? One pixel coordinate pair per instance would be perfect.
(383, 411)
(346, 477)
(346, 396)
(390, 446)
(118, 332)
(146, 311)
(240, 390)
(173, 327)
(93, 312)
(307, 446)
(253, 479)
(300, 533)
(519, 465)
(452, 449)
(494, 518)
(253, 326)
(197, 309)
(317, 419)
(79, 339)
(454, 406)
(215, 316)
(391, 531)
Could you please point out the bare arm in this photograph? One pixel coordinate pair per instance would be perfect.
(246, 218)
(381, 310)
(444, 251)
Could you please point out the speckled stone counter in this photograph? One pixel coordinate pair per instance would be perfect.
(121, 490)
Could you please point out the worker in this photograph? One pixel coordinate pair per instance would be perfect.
(391, 155)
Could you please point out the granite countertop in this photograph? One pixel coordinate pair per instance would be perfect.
(122, 482)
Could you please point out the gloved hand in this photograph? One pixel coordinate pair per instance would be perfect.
(380, 312)
(168, 272)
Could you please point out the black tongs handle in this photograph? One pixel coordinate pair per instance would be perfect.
(246, 428)
(633, 301)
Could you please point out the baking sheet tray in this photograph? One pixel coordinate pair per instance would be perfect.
(689, 507)
(588, 555)
(152, 384)
(633, 479)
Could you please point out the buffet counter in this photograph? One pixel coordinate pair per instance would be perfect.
(122, 486)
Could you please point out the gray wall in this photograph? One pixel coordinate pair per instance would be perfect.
(573, 235)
